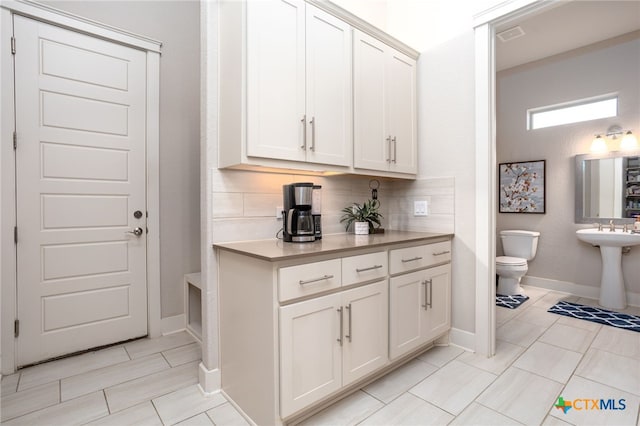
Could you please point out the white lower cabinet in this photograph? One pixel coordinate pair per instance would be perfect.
(419, 308)
(331, 341)
(299, 332)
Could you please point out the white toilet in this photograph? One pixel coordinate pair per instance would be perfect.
(519, 247)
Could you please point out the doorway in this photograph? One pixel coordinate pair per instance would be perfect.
(79, 188)
(80, 191)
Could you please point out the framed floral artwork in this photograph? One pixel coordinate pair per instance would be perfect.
(522, 187)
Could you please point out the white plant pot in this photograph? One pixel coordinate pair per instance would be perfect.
(361, 228)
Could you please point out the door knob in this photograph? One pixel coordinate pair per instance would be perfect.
(137, 231)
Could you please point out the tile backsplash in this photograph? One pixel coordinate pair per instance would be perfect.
(244, 202)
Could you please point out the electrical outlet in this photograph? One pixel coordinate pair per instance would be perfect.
(420, 208)
(279, 212)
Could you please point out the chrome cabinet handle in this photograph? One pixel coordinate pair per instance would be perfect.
(348, 336)
(412, 259)
(388, 149)
(424, 283)
(369, 268)
(314, 280)
(303, 120)
(313, 133)
(341, 325)
(136, 231)
(440, 253)
(429, 303)
(395, 150)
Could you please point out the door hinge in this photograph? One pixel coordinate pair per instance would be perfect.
(15, 139)
(15, 234)
(16, 328)
(13, 45)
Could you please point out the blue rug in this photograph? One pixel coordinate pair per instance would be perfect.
(599, 315)
(511, 302)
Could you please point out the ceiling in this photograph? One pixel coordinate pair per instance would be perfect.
(568, 26)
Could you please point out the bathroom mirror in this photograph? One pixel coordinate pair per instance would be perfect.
(607, 187)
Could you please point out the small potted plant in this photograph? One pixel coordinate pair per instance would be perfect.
(365, 217)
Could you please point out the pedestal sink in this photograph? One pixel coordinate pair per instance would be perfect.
(612, 289)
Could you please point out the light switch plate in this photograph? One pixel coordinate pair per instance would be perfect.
(420, 208)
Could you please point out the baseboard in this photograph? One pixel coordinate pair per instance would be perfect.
(210, 380)
(238, 408)
(574, 289)
(463, 339)
(173, 324)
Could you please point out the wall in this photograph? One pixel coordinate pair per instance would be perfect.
(608, 67)
(421, 24)
(177, 25)
(375, 12)
(446, 141)
(243, 203)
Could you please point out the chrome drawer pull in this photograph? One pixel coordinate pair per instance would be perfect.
(395, 149)
(369, 268)
(412, 259)
(325, 277)
(389, 150)
(348, 336)
(313, 134)
(440, 253)
(303, 120)
(341, 338)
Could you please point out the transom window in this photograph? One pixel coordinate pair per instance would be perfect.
(572, 112)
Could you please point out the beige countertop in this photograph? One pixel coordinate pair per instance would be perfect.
(275, 250)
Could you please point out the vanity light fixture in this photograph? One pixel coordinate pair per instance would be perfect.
(598, 145)
(628, 142)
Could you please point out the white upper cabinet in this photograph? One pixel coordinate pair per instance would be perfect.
(286, 91)
(385, 136)
(371, 134)
(275, 79)
(401, 112)
(299, 83)
(329, 87)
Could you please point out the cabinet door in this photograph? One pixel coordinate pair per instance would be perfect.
(438, 286)
(275, 79)
(310, 352)
(401, 111)
(328, 89)
(406, 313)
(371, 144)
(365, 347)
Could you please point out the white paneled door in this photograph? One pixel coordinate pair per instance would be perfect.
(80, 173)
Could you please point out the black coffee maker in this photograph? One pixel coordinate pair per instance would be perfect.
(297, 223)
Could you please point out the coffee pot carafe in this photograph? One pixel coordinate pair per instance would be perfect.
(298, 223)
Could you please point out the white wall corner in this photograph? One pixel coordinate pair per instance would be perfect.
(210, 380)
(485, 219)
(464, 339)
(173, 324)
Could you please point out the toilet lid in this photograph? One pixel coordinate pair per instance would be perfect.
(510, 261)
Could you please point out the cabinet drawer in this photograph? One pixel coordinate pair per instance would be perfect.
(365, 267)
(303, 280)
(412, 258)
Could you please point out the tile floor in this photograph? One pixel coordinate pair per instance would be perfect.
(540, 356)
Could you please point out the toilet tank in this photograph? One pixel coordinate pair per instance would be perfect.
(522, 244)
